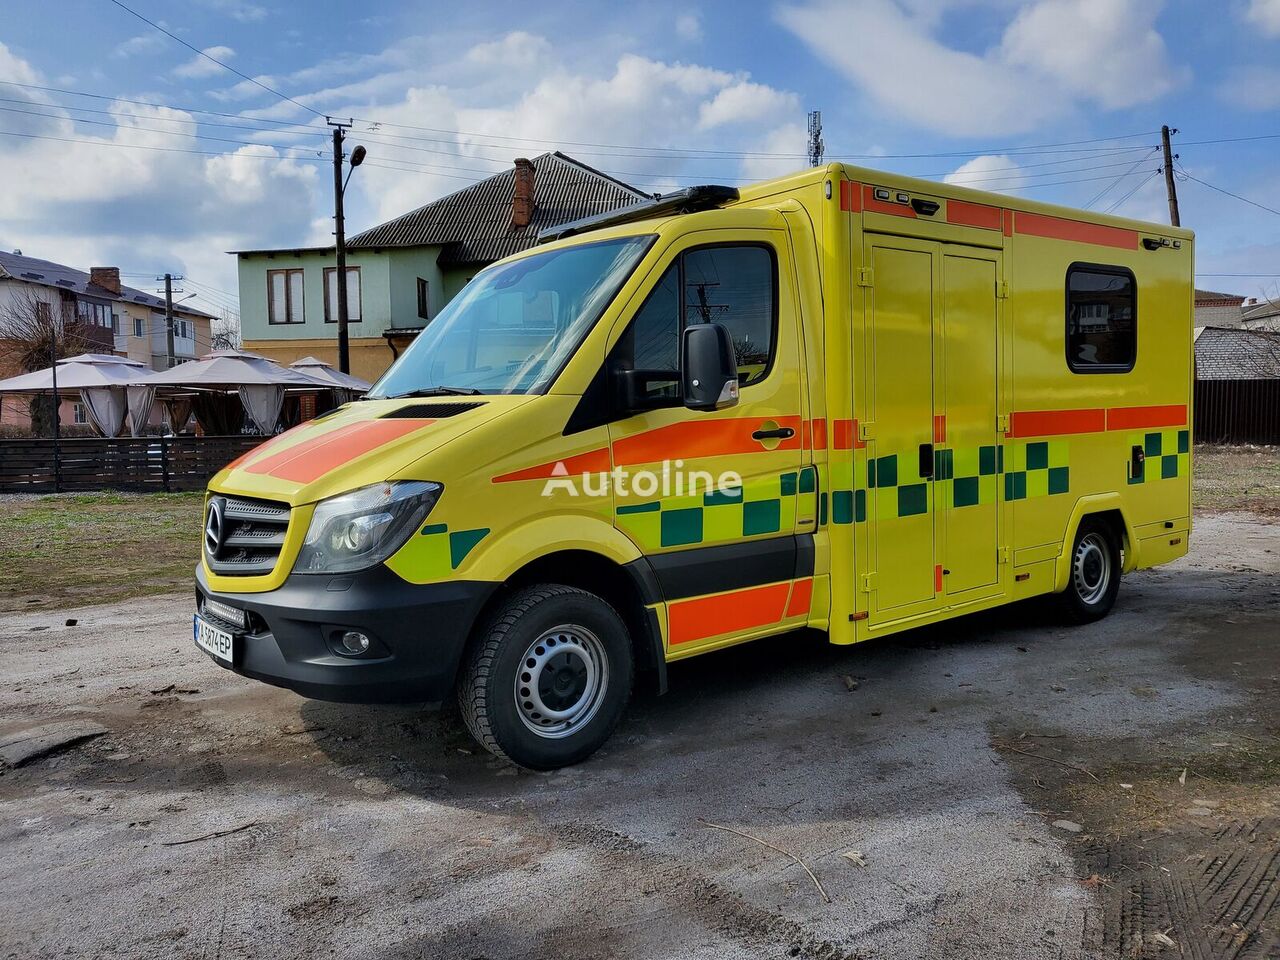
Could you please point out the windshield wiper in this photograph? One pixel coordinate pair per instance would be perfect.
(437, 392)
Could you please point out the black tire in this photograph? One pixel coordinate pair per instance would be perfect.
(1094, 578)
(554, 640)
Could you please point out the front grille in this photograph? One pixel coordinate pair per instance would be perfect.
(249, 538)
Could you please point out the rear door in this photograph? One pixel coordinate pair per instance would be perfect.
(931, 402)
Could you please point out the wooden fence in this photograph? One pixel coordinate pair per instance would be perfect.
(1237, 411)
(147, 464)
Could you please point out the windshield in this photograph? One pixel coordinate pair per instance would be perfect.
(513, 326)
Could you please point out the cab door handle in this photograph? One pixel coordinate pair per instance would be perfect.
(781, 433)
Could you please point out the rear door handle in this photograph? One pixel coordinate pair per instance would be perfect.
(926, 461)
(781, 433)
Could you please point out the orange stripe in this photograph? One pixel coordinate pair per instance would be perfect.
(593, 461)
(1052, 423)
(872, 205)
(844, 435)
(311, 459)
(940, 428)
(819, 434)
(1060, 228)
(1007, 220)
(974, 214)
(704, 617)
(700, 438)
(801, 597)
(849, 195)
(937, 578)
(262, 448)
(1133, 418)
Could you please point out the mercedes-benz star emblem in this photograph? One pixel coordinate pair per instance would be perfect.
(213, 527)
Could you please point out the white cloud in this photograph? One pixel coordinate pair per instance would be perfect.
(746, 102)
(135, 46)
(1252, 87)
(200, 66)
(995, 172)
(516, 49)
(1266, 15)
(1052, 54)
(240, 10)
(1107, 51)
(689, 27)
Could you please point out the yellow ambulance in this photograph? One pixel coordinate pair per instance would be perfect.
(844, 400)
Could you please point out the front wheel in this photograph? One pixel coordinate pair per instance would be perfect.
(547, 677)
(1095, 573)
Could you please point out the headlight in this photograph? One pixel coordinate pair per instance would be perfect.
(360, 529)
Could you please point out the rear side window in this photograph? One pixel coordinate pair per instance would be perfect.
(1102, 318)
(732, 284)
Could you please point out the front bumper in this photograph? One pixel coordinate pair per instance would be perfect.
(419, 632)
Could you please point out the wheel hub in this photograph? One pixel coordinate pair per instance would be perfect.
(1091, 568)
(562, 679)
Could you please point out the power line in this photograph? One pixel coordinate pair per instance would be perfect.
(224, 66)
(1107, 189)
(1252, 203)
(1136, 187)
(1248, 276)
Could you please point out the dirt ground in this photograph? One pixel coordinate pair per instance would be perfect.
(925, 800)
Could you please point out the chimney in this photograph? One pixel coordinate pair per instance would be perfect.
(108, 278)
(522, 199)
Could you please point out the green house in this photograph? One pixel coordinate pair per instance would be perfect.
(401, 273)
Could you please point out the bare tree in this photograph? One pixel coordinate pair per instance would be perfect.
(224, 333)
(35, 332)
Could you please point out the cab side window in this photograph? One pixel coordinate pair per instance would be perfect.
(1102, 318)
(734, 285)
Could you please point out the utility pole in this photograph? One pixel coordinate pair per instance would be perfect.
(816, 146)
(1170, 187)
(54, 315)
(340, 243)
(168, 315)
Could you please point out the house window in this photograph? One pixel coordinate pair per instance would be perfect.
(1102, 318)
(95, 314)
(285, 301)
(139, 327)
(733, 285)
(331, 294)
(424, 302)
(78, 413)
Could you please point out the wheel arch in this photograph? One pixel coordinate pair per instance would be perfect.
(1107, 507)
(630, 588)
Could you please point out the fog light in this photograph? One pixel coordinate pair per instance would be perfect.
(354, 642)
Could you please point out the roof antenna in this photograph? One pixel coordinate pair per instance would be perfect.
(816, 146)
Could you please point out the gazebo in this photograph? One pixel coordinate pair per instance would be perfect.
(105, 383)
(204, 385)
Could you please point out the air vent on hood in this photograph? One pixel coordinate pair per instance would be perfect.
(430, 411)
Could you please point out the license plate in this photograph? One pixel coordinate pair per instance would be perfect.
(217, 643)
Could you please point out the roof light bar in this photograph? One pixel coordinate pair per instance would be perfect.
(688, 200)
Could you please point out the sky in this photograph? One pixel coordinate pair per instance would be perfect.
(140, 153)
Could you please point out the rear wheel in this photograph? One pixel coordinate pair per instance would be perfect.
(1095, 573)
(547, 677)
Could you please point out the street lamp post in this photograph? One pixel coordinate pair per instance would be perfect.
(340, 236)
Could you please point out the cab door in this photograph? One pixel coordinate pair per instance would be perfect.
(710, 497)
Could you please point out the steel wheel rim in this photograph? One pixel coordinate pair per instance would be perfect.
(1091, 568)
(561, 681)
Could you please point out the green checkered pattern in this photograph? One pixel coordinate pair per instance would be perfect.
(757, 508)
(963, 477)
(1040, 468)
(1168, 455)
(437, 553)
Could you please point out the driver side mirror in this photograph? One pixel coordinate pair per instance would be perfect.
(709, 370)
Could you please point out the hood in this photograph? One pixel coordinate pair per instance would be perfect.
(358, 444)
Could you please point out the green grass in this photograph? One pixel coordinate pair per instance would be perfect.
(1237, 478)
(59, 551)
